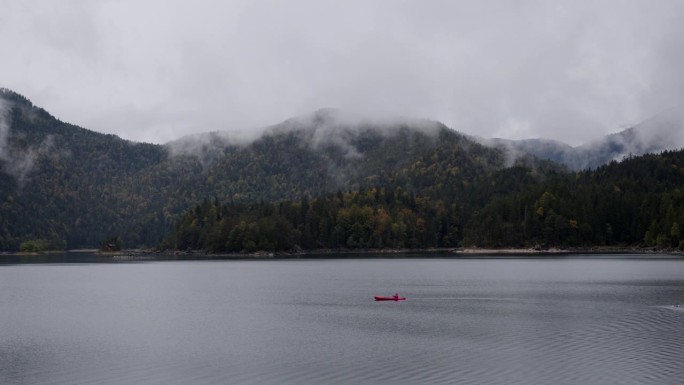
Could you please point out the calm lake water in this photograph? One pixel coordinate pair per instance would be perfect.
(466, 321)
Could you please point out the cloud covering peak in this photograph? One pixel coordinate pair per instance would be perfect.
(158, 70)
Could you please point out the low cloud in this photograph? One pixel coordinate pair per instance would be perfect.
(318, 130)
(208, 147)
(18, 162)
(664, 131)
(566, 70)
(334, 127)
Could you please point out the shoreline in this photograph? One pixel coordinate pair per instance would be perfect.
(469, 252)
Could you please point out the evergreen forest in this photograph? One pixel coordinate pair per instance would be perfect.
(318, 182)
(635, 203)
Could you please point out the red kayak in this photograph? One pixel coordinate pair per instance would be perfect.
(395, 297)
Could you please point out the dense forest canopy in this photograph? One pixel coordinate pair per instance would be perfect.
(639, 202)
(319, 181)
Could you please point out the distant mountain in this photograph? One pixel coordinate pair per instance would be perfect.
(63, 186)
(664, 131)
(73, 187)
(328, 151)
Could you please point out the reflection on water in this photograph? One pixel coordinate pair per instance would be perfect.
(523, 321)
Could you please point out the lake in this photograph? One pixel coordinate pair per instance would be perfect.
(569, 320)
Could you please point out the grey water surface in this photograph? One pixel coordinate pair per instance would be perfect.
(527, 321)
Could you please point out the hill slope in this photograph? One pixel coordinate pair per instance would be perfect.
(74, 187)
(328, 180)
(57, 177)
(635, 203)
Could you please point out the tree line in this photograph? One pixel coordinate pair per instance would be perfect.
(638, 202)
(370, 218)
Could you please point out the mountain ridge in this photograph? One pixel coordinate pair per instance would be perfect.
(661, 132)
(76, 187)
(91, 186)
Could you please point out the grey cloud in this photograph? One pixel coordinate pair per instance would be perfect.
(156, 71)
(322, 128)
(333, 127)
(208, 147)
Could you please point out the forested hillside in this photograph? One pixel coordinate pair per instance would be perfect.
(373, 217)
(63, 184)
(71, 188)
(324, 180)
(636, 203)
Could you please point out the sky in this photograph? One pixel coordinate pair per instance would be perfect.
(154, 71)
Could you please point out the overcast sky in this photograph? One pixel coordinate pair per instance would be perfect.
(156, 70)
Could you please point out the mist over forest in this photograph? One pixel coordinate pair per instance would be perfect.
(333, 179)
